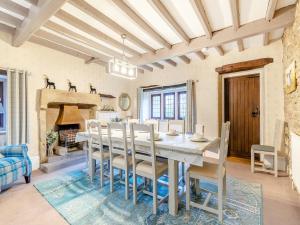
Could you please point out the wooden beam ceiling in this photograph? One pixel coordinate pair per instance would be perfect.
(91, 60)
(10, 19)
(33, 2)
(14, 7)
(185, 59)
(201, 14)
(171, 62)
(240, 45)
(266, 38)
(102, 18)
(283, 18)
(220, 50)
(149, 68)
(269, 15)
(92, 31)
(234, 6)
(200, 55)
(148, 29)
(7, 29)
(158, 65)
(159, 7)
(38, 15)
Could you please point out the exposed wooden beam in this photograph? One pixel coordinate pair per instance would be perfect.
(7, 29)
(78, 37)
(271, 9)
(91, 60)
(200, 55)
(92, 31)
(148, 29)
(240, 45)
(266, 38)
(242, 66)
(149, 68)
(171, 62)
(141, 70)
(10, 19)
(69, 44)
(169, 19)
(220, 50)
(158, 65)
(185, 59)
(102, 18)
(14, 7)
(33, 2)
(36, 18)
(283, 18)
(235, 14)
(200, 12)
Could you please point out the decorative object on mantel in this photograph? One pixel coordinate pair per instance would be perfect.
(124, 101)
(92, 89)
(52, 139)
(290, 78)
(106, 96)
(48, 83)
(121, 67)
(72, 87)
(108, 108)
(116, 120)
(245, 65)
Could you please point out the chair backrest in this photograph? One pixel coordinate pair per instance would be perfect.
(146, 150)
(224, 144)
(278, 141)
(117, 139)
(133, 121)
(163, 126)
(154, 122)
(177, 125)
(95, 133)
(200, 129)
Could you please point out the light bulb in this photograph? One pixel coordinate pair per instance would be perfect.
(123, 70)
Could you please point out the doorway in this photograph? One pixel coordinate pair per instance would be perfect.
(242, 109)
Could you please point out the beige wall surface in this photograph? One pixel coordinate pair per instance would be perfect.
(38, 60)
(208, 86)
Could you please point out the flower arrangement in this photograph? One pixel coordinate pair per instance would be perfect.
(51, 138)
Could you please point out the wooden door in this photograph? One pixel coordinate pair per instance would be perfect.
(242, 106)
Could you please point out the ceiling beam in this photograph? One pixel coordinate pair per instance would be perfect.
(7, 29)
(74, 21)
(200, 55)
(158, 65)
(149, 68)
(91, 60)
(138, 20)
(78, 37)
(266, 38)
(69, 44)
(271, 9)
(141, 70)
(159, 7)
(171, 62)
(10, 19)
(201, 14)
(283, 18)
(14, 7)
(185, 59)
(235, 14)
(240, 45)
(38, 15)
(220, 50)
(102, 18)
(33, 2)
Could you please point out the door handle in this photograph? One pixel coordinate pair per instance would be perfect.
(256, 112)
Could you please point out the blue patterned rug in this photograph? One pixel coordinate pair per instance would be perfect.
(82, 202)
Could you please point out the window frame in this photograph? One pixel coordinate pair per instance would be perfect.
(164, 105)
(3, 79)
(151, 108)
(178, 105)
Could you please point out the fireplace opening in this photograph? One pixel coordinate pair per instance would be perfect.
(67, 135)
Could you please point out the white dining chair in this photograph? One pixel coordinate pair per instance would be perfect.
(154, 122)
(212, 172)
(119, 157)
(177, 125)
(133, 121)
(96, 150)
(265, 151)
(163, 126)
(149, 167)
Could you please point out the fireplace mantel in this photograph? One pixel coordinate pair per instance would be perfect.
(52, 98)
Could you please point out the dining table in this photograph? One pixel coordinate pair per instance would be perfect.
(175, 148)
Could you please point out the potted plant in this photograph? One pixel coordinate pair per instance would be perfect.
(52, 138)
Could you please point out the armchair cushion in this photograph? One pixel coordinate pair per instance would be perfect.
(1, 156)
(10, 164)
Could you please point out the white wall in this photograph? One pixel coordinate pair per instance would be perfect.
(208, 85)
(59, 67)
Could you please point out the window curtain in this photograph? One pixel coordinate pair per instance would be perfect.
(17, 107)
(139, 103)
(190, 119)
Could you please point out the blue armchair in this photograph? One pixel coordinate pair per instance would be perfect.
(13, 165)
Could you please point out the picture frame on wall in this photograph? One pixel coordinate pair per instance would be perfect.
(291, 78)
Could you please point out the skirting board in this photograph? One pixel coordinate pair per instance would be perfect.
(295, 156)
(35, 160)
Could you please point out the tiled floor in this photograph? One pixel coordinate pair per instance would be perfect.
(22, 204)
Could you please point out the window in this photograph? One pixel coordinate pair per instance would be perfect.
(181, 105)
(155, 106)
(2, 101)
(169, 105)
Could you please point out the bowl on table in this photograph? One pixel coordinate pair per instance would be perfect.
(198, 138)
(172, 132)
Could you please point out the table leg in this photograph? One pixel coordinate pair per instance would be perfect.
(173, 186)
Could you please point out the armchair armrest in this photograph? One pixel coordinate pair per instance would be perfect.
(14, 150)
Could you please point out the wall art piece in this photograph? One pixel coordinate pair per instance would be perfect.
(291, 78)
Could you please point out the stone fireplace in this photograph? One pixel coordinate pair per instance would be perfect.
(66, 113)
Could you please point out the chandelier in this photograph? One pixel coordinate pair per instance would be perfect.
(121, 67)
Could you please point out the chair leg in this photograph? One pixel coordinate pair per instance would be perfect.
(252, 160)
(27, 179)
(111, 178)
(92, 166)
(188, 191)
(275, 165)
(182, 171)
(224, 185)
(126, 184)
(101, 173)
(220, 201)
(197, 186)
(154, 181)
(134, 188)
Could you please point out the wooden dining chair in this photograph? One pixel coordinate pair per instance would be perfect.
(154, 122)
(212, 172)
(163, 126)
(96, 150)
(177, 125)
(148, 167)
(119, 158)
